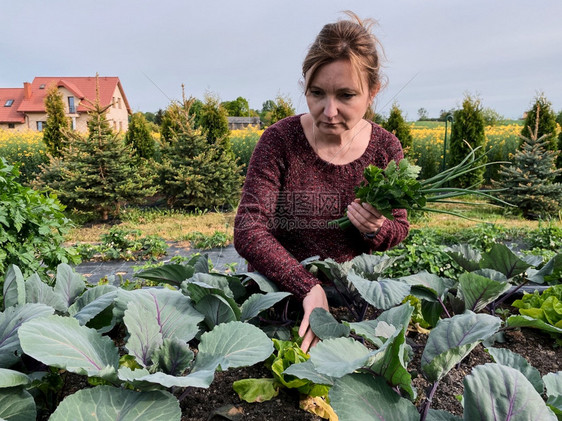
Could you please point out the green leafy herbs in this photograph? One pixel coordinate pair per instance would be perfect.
(287, 354)
(397, 187)
(546, 306)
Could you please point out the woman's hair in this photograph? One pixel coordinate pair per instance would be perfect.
(350, 40)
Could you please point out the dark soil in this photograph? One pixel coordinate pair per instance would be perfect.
(201, 404)
(538, 348)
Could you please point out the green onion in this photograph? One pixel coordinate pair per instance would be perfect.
(397, 187)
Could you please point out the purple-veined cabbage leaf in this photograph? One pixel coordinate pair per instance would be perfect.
(367, 398)
(111, 403)
(61, 342)
(11, 321)
(453, 339)
(498, 392)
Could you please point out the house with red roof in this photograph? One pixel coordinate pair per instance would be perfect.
(24, 108)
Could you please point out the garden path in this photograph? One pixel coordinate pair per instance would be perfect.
(220, 257)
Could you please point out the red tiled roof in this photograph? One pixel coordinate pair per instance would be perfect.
(11, 114)
(84, 88)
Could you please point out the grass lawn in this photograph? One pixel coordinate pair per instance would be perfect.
(176, 226)
(171, 226)
(480, 214)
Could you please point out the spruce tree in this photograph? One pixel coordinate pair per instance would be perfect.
(196, 172)
(398, 126)
(467, 132)
(96, 173)
(529, 183)
(139, 137)
(214, 119)
(174, 119)
(546, 122)
(56, 123)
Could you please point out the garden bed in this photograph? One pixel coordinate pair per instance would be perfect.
(536, 347)
(180, 348)
(220, 401)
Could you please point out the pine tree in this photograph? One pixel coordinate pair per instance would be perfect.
(56, 123)
(467, 132)
(529, 182)
(196, 172)
(139, 137)
(546, 122)
(97, 173)
(398, 126)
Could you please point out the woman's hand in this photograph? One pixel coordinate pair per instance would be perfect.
(365, 217)
(316, 297)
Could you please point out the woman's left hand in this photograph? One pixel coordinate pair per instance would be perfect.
(365, 217)
(315, 298)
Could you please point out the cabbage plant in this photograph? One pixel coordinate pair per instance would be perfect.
(372, 382)
(65, 326)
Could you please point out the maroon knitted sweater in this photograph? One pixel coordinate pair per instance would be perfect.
(289, 196)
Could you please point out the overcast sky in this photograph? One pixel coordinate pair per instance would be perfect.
(437, 51)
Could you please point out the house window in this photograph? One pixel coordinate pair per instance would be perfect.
(71, 106)
(40, 126)
(114, 102)
(9, 103)
(120, 126)
(42, 86)
(119, 102)
(11, 126)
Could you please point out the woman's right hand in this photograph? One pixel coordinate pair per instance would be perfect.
(315, 298)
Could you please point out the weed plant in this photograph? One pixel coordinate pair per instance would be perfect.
(422, 250)
(123, 244)
(201, 241)
(549, 238)
(137, 215)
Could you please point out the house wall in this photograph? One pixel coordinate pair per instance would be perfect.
(18, 127)
(80, 119)
(238, 123)
(117, 114)
(32, 119)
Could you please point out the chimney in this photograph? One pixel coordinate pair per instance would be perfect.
(26, 90)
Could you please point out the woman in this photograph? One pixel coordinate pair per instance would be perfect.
(304, 169)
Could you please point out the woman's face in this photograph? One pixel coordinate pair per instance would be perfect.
(337, 98)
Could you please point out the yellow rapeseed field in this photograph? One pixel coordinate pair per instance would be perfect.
(427, 150)
(25, 148)
(243, 142)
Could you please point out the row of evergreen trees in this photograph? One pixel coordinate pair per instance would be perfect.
(192, 166)
(100, 172)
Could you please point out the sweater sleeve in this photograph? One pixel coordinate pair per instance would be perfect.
(392, 232)
(253, 238)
